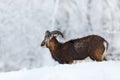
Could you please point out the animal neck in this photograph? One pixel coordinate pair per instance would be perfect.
(54, 45)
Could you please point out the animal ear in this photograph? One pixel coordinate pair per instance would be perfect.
(47, 33)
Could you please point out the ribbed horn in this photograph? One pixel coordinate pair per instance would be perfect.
(56, 33)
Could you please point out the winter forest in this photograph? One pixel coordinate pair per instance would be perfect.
(24, 22)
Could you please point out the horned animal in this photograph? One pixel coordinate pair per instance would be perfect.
(92, 46)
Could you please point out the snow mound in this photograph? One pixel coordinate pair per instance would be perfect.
(82, 71)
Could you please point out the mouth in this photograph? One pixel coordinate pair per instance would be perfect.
(42, 44)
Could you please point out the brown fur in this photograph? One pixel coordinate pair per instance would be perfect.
(77, 49)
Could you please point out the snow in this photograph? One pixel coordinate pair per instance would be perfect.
(22, 27)
(109, 70)
(23, 23)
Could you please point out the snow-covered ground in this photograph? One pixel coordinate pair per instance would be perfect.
(109, 70)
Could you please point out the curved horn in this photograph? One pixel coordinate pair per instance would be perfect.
(57, 33)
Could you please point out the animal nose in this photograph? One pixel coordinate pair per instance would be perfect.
(43, 43)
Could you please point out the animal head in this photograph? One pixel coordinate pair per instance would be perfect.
(49, 35)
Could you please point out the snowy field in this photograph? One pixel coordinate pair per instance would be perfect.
(109, 70)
